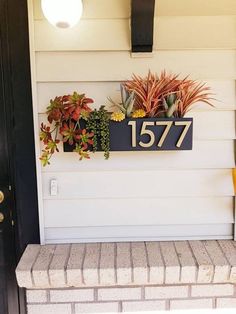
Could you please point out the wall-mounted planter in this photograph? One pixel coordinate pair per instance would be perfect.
(149, 134)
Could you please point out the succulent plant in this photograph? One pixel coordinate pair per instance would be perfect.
(98, 124)
(170, 104)
(64, 114)
(127, 101)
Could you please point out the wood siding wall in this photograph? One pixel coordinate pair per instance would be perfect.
(143, 195)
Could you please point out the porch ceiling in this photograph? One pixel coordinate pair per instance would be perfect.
(121, 8)
(195, 7)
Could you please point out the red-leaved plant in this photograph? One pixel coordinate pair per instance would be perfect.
(64, 114)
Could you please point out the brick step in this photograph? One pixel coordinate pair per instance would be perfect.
(135, 263)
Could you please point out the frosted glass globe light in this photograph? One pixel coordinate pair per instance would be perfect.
(62, 13)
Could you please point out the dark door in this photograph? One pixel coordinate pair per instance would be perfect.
(18, 189)
(8, 287)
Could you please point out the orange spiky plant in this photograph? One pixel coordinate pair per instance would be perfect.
(189, 93)
(166, 95)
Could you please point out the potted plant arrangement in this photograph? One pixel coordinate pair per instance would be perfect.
(150, 116)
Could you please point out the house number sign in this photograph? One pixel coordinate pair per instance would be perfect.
(150, 134)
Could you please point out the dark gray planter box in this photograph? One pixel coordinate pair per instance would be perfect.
(149, 134)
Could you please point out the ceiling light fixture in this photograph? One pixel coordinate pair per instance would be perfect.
(62, 13)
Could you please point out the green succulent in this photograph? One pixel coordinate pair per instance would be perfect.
(127, 101)
(170, 103)
(98, 123)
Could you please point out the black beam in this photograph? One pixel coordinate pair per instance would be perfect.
(142, 20)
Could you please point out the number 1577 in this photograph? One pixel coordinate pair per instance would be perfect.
(150, 133)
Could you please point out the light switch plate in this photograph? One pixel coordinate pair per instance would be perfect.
(53, 187)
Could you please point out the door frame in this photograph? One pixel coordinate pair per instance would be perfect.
(21, 145)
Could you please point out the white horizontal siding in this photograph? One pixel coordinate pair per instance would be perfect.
(205, 155)
(118, 66)
(87, 35)
(136, 184)
(223, 90)
(151, 211)
(141, 195)
(213, 125)
(219, 33)
(102, 9)
(139, 233)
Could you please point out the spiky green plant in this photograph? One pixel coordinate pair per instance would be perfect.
(170, 104)
(127, 101)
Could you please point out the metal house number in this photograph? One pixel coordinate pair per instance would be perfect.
(152, 138)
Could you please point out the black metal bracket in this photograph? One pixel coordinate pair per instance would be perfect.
(142, 23)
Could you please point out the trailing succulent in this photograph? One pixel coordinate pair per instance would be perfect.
(98, 124)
